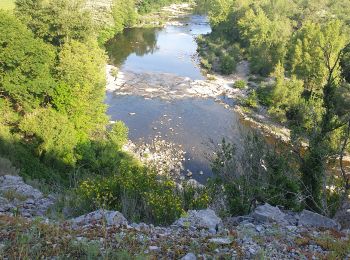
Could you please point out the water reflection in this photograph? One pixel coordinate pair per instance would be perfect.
(168, 50)
(138, 41)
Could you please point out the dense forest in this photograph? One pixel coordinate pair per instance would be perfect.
(54, 126)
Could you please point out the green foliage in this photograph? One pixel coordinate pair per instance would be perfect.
(52, 97)
(345, 63)
(227, 64)
(80, 92)
(135, 191)
(195, 197)
(252, 100)
(285, 95)
(124, 14)
(7, 4)
(260, 173)
(56, 21)
(51, 134)
(146, 6)
(266, 39)
(218, 55)
(240, 84)
(119, 134)
(25, 65)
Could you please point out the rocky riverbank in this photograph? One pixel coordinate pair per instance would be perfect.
(266, 233)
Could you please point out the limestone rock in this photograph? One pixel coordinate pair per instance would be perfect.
(189, 256)
(110, 218)
(16, 184)
(206, 219)
(25, 199)
(267, 214)
(311, 219)
(220, 240)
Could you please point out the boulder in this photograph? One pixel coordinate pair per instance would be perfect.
(189, 256)
(312, 219)
(202, 219)
(110, 218)
(269, 214)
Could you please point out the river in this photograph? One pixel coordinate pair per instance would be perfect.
(162, 56)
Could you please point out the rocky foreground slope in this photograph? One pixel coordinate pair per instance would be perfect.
(267, 233)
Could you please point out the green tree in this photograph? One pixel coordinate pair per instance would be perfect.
(286, 94)
(266, 39)
(52, 135)
(56, 21)
(124, 14)
(322, 119)
(25, 66)
(81, 87)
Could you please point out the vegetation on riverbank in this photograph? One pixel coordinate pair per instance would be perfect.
(303, 48)
(54, 126)
(54, 129)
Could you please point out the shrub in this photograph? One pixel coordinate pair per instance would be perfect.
(137, 192)
(252, 100)
(195, 197)
(205, 64)
(258, 173)
(227, 64)
(240, 84)
(264, 93)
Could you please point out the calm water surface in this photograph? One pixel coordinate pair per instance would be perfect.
(170, 50)
(194, 123)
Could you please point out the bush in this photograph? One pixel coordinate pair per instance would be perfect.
(264, 93)
(137, 192)
(258, 173)
(227, 64)
(252, 100)
(195, 197)
(205, 64)
(240, 84)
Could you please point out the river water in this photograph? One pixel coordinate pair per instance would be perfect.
(194, 123)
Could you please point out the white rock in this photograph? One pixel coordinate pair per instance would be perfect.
(311, 219)
(220, 240)
(111, 218)
(153, 248)
(267, 214)
(16, 184)
(189, 256)
(206, 219)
